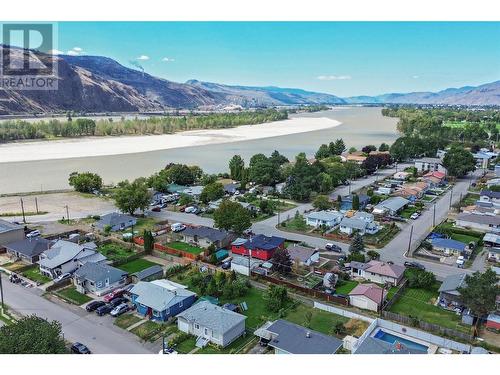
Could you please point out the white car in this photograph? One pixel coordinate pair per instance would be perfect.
(60, 278)
(177, 227)
(120, 309)
(460, 261)
(414, 216)
(33, 233)
(190, 209)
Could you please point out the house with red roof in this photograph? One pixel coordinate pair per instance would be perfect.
(367, 296)
(434, 178)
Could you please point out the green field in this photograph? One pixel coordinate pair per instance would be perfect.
(185, 247)
(345, 286)
(321, 321)
(136, 265)
(34, 274)
(115, 252)
(419, 303)
(72, 296)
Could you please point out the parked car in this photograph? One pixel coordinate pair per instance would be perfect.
(105, 309)
(333, 247)
(94, 305)
(167, 351)
(118, 301)
(13, 278)
(111, 295)
(226, 265)
(190, 209)
(177, 227)
(120, 309)
(79, 348)
(414, 265)
(156, 209)
(414, 216)
(460, 261)
(33, 233)
(63, 277)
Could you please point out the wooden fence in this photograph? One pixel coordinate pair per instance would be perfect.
(388, 304)
(310, 292)
(429, 327)
(168, 250)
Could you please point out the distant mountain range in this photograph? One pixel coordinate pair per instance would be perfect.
(100, 84)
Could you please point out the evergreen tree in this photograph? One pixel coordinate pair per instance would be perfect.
(357, 244)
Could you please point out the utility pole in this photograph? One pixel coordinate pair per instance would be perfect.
(278, 218)
(1, 292)
(451, 197)
(67, 213)
(22, 210)
(409, 241)
(434, 216)
(36, 205)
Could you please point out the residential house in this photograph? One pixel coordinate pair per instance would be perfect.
(232, 188)
(176, 189)
(250, 207)
(486, 223)
(346, 203)
(449, 246)
(493, 322)
(367, 296)
(28, 249)
(391, 206)
(98, 278)
(412, 191)
(260, 246)
(449, 296)
(66, 257)
(303, 255)
(430, 165)
(211, 323)
(378, 272)
(435, 178)
(402, 176)
(351, 225)
(327, 218)
(149, 274)
(497, 170)
(493, 181)
(280, 187)
(10, 232)
(356, 156)
(494, 254)
(490, 197)
(491, 240)
(116, 221)
(193, 191)
(483, 157)
(159, 301)
(205, 236)
(290, 338)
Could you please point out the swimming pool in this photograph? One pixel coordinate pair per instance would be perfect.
(391, 339)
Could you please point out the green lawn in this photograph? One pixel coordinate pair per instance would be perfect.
(235, 346)
(185, 247)
(34, 274)
(382, 237)
(419, 303)
(469, 200)
(321, 321)
(464, 238)
(187, 345)
(114, 252)
(297, 224)
(72, 296)
(143, 223)
(408, 211)
(126, 320)
(136, 265)
(345, 286)
(151, 331)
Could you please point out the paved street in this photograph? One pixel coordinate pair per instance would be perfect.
(98, 333)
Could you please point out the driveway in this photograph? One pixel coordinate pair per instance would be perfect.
(98, 333)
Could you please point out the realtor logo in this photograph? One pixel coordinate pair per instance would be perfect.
(26, 61)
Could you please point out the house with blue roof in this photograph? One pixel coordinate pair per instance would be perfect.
(259, 246)
(449, 246)
(161, 300)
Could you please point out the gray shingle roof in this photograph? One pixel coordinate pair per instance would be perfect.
(206, 232)
(29, 246)
(150, 271)
(6, 226)
(301, 253)
(157, 297)
(324, 215)
(294, 339)
(353, 223)
(63, 251)
(99, 272)
(452, 283)
(212, 316)
(114, 218)
(480, 219)
(393, 203)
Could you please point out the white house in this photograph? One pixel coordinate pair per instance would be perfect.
(328, 218)
(349, 225)
(490, 198)
(241, 264)
(211, 323)
(367, 296)
(378, 272)
(390, 206)
(430, 164)
(486, 223)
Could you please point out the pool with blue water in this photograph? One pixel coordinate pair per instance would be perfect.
(391, 339)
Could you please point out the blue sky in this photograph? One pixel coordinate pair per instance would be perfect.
(350, 58)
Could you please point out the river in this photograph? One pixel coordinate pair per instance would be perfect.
(360, 126)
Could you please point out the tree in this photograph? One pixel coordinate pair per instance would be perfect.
(480, 291)
(85, 182)
(383, 147)
(373, 254)
(323, 152)
(232, 216)
(420, 279)
(355, 202)
(325, 182)
(180, 174)
(276, 297)
(357, 244)
(263, 171)
(236, 167)
(32, 335)
(368, 149)
(282, 262)
(322, 203)
(130, 197)
(338, 147)
(459, 161)
(212, 192)
(352, 150)
(149, 241)
(266, 207)
(303, 179)
(356, 257)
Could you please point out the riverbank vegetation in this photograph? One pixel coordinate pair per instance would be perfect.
(15, 130)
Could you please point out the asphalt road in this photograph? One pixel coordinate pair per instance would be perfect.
(98, 333)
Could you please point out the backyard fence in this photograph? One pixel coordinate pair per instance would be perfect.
(167, 249)
(310, 292)
(388, 304)
(130, 258)
(429, 327)
(342, 312)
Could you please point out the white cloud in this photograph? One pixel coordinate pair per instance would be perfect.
(143, 58)
(333, 78)
(167, 59)
(415, 77)
(56, 52)
(77, 49)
